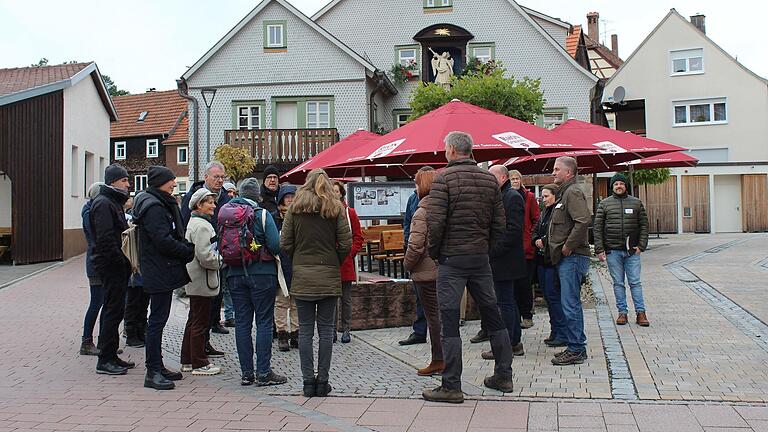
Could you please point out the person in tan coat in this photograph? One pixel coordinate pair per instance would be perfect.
(204, 286)
(423, 271)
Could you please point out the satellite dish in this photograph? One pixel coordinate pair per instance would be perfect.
(618, 94)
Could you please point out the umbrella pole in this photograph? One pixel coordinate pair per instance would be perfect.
(631, 179)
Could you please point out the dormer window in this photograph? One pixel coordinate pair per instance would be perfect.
(143, 115)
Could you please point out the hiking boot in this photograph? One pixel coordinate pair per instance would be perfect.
(247, 379)
(309, 389)
(642, 319)
(441, 394)
(157, 381)
(526, 323)
(561, 353)
(229, 322)
(345, 337)
(208, 369)
(435, 367)
(270, 378)
(481, 336)
(219, 329)
(487, 355)
(414, 339)
(88, 348)
(124, 363)
(499, 383)
(212, 352)
(569, 358)
(622, 319)
(517, 350)
(282, 341)
(294, 339)
(322, 388)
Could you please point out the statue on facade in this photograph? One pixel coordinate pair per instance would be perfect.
(442, 68)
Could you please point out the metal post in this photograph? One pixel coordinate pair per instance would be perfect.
(207, 134)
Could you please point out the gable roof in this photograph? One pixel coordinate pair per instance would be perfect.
(545, 17)
(165, 111)
(674, 13)
(253, 13)
(26, 82)
(604, 52)
(572, 41)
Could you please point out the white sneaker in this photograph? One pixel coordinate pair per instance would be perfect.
(207, 370)
(186, 368)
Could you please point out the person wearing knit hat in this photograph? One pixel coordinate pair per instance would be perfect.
(157, 176)
(621, 235)
(114, 173)
(250, 189)
(270, 188)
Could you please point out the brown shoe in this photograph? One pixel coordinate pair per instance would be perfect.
(622, 319)
(435, 367)
(642, 320)
(487, 355)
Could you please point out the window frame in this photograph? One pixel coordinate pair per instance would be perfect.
(541, 120)
(236, 105)
(417, 56)
(318, 103)
(688, 103)
(438, 4)
(673, 57)
(124, 148)
(156, 146)
(139, 179)
(284, 34)
(471, 47)
(396, 117)
(186, 155)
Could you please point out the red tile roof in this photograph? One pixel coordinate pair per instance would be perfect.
(15, 80)
(181, 134)
(572, 41)
(164, 109)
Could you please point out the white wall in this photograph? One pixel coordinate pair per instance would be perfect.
(86, 126)
(5, 201)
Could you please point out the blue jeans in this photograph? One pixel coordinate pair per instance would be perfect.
(229, 308)
(620, 263)
(253, 296)
(505, 299)
(94, 306)
(571, 270)
(551, 288)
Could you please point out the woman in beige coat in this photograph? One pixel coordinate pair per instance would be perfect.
(424, 271)
(204, 286)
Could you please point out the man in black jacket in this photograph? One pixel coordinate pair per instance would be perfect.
(270, 189)
(111, 265)
(163, 256)
(508, 264)
(466, 217)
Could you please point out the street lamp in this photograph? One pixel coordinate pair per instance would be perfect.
(208, 95)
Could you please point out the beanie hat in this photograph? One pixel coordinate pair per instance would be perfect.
(95, 189)
(619, 177)
(198, 196)
(250, 189)
(270, 170)
(114, 173)
(159, 175)
(285, 189)
(229, 186)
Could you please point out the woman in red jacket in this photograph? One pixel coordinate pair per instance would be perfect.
(348, 270)
(532, 212)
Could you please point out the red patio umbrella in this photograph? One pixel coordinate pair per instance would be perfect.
(667, 160)
(420, 142)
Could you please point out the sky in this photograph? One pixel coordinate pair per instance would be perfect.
(144, 44)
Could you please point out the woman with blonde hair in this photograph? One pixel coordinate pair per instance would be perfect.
(424, 271)
(317, 237)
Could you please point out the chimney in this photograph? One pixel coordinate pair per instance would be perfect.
(698, 21)
(615, 44)
(593, 30)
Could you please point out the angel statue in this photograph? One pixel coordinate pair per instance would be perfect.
(442, 68)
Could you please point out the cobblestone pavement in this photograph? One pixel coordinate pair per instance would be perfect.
(691, 351)
(12, 273)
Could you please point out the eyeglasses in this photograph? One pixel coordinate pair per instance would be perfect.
(219, 177)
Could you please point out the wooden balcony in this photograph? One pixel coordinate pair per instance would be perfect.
(282, 146)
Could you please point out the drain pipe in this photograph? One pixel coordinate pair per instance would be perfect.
(183, 91)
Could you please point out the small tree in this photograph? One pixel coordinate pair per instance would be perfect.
(237, 161)
(112, 88)
(645, 177)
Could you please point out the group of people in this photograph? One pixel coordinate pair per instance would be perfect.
(285, 255)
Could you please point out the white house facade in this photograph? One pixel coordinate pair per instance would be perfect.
(680, 87)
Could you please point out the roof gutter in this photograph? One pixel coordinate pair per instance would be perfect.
(183, 91)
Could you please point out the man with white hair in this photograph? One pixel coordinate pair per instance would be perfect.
(465, 216)
(569, 249)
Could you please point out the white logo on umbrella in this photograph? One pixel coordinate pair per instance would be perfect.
(516, 141)
(607, 147)
(385, 149)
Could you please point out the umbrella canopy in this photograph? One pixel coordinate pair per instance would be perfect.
(667, 160)
(420, 142)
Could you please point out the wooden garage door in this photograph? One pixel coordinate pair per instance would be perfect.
(661, 204)
(754, 202)
(695, 203)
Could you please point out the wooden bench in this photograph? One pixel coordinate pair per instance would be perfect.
(372, 238)
(393, 254)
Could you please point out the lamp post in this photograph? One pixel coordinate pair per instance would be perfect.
(208, 95)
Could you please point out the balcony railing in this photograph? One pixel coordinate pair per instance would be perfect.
(282, 146)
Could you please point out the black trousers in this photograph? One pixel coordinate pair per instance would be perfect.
(136, 305)
(524, 295)
(114, 284)
(160, 310)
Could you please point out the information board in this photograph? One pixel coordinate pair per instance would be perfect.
(380, 200)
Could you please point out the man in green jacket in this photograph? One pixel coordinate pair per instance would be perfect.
(621, 235)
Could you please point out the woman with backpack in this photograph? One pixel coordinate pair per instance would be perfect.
(317, 237)
(204, 273)
(251, 279)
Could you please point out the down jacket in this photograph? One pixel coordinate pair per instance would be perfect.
(204, 269)
(569, 225)
(465, 213)
(619, 217)
(417, 261)
(507, 256)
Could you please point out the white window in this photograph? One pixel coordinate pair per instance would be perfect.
(275, 35)
(318, 115)
(182, 155)
(139, 183)
(430, 3)
(700, 112)
(182, 186)
(401, 119)
(482, 53)
(152, 148)
(551, 120)
(408, 56)
(249, 117)
(687, 62)
(120, 150)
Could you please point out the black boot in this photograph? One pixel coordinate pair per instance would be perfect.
(294, 339)
(110, 368)
(157, 381)
(132, 338)
(322, 388)
(88, 348)
(310, 388)
(282, 341)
